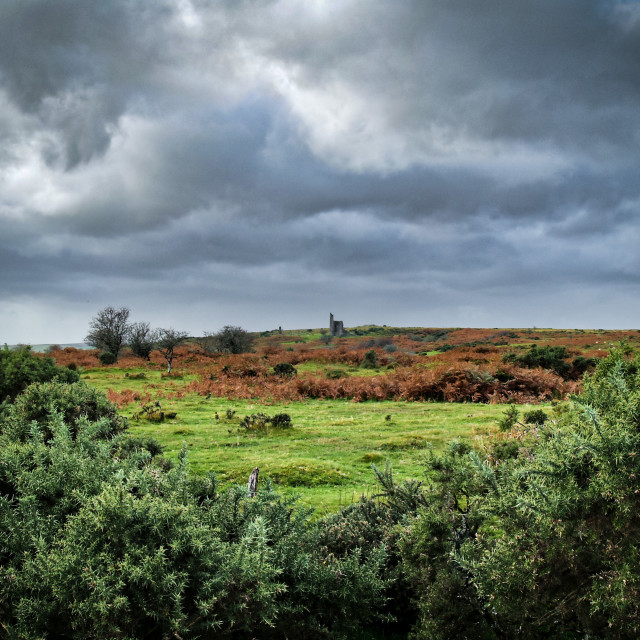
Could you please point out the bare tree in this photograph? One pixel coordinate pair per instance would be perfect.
(166, 341)
(207, 342)
(140, 339)
(108, 330)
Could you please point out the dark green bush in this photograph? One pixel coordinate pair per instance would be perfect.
(553, 358)
(281, 421)
(536, 416)
(135, 376)
(370, 360)
(580, 365)
(107, 358)
(503, 376)
(504, 450)
(72, 403)
(263, 422)
(509, 418)
(285, 370)
(539, 545)
(20, 367)
(102, 539)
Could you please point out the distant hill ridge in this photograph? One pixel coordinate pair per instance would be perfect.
(42, 348)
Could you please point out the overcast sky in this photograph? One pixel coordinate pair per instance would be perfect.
(262, 163)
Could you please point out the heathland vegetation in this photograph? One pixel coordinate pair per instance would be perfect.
(502, 502)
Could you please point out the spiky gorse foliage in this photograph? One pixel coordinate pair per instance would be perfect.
(20, 367)
(101, 538)
(544, 543)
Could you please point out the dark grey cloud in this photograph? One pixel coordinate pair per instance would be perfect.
(426, 162)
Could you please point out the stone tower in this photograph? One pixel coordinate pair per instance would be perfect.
(336, 327)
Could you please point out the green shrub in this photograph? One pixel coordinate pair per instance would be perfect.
(505, 450)
(263, 422)
(509, 418)
(135, 376)
(536, 416)
(281, 421)
(553, 358)
(151, 412)
(285, 370)
(370, 360)
(503, 376)
(107, 358)
(74, 403)
(103, 539)
(20, 367)
(580, 365)
(543, 544)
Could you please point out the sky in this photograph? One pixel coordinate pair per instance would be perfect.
(263, 163)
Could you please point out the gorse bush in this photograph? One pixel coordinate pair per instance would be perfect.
(102, 538)
(509, 418)
(263, 422)
(542, 543)
(20, 367)
(370, 360)
(284, 370)
(107, 358)
(73, 404)
(548, 357)
(536, 416)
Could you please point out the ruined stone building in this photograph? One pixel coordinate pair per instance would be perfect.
(336, 327)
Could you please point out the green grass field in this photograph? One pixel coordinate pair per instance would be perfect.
(325, 457)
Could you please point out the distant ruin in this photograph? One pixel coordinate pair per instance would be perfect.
(336, 327)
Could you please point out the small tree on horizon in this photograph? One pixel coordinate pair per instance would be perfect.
(166, 341)
(140, 339)
(232, 339)
(108, 330)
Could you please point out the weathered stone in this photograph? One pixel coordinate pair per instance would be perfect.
(336, 327)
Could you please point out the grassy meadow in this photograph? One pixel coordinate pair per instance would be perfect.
(325, 456)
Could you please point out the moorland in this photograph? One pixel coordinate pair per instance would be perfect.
(374, 395)
(414, 483)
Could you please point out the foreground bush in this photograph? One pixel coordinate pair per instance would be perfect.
(545, 542)
(102, 538)
(40, 406)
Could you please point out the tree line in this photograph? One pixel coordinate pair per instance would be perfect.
(110, 331)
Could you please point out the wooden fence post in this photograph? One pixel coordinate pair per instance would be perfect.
(252, 487)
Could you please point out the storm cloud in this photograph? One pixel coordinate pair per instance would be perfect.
(265, 162)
